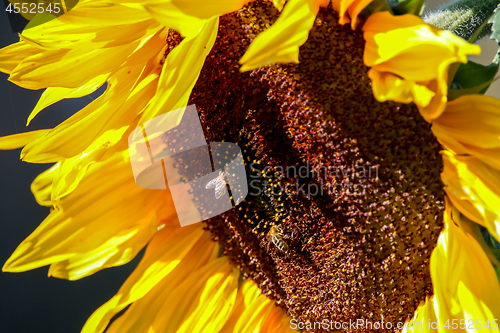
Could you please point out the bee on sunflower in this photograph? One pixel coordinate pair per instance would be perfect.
(292, 84)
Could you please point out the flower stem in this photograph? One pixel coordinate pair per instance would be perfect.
(465, 18)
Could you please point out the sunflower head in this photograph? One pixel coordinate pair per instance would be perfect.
(373, 189)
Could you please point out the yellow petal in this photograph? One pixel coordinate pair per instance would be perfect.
(129, 91)
(71, 171)
(471, 125)
(465, 283)
(392, 45)
(279, 4)
(173, 255)
(280, 43)
(246, 296)
(204, 301)
(189, 16)
(207, 9)
(254, 312)
(90, 40)
(142, 313)
(170, 16)
(42, 186)
(116, 108)
(424, 315)
(254, 316)
(277, 321)
(181, 71)
(349, 10)
(474, 188)
(392, 88)
(58, 34)
(118, 250)
(19, 140)
(12, 55)
(54, 94)
(102, 13)
(94, 214)
(68, 68)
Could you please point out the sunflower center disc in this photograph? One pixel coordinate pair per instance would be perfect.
(363, 211)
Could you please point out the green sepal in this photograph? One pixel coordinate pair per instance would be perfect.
(497, 270)
(489, 239)
(472, 78)
(377, 6)
(475, 231)
(493, 246)
(495, 28)
(415, 7)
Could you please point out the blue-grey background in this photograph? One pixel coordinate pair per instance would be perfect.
(30, 302)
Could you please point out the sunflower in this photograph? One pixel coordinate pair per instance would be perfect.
(376, 160)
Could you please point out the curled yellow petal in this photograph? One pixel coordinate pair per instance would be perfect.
(471, 125)
(42, 186)
(349, 10)
(280, 43)
(52, 95)
(71, 171)
(474, 188)
(465, 283)
(394, 88)
(392, 45)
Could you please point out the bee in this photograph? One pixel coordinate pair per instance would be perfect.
(219, 183)
(276, 236)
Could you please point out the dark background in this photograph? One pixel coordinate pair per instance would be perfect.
(30, 302)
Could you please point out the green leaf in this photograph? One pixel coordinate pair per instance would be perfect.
(454, 94)
(472, 78)
(415, 7)
(495, 28)
(481, 31)
(495, 20)
(472, 74)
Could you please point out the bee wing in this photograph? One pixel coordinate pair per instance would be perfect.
(212, 183)
(220, 188)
